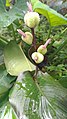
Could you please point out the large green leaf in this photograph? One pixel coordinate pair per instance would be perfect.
(6, 82)
(15, 59)
(9, 113)
(41, 99)
(7, 17)
(53, 17)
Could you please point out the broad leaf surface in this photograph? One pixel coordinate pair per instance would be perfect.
(9, 113)
(63, 81)
(6, 82)
(15, 59)
(53, 17)
(46, 99)
(7, 17)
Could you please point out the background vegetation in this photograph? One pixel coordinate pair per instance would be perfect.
(20, 96)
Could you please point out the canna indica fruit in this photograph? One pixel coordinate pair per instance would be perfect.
(31, 19)
(42, 49)
(28, 38)
(37, 57)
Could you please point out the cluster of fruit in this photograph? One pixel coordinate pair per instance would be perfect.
(32, 19)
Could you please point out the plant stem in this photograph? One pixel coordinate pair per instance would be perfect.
(34, 39)
(49, 32)
(34, 44)
(63, 30)
(13, 31)
(35, 74)
(3, 40)
(39, 88)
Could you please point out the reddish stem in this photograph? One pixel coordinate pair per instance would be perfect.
(34, 39)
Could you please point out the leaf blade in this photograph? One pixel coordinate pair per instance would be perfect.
(45, 99)
(15, 59)
(53, 17)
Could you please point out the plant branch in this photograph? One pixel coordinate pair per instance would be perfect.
(39, 88)
(34, 39)
(35, 74)
(3, 40)
(13, 31)
(49, 32)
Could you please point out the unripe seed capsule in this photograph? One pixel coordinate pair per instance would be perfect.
(28, 38)
(42, 49)
(37, 57)
(31, 19)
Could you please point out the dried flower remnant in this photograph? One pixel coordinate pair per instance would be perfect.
(42, 48)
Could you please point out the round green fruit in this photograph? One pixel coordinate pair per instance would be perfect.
(28, 38)
(31, 19)
(41, 49)
(37, 57)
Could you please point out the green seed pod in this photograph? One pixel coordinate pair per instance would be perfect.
(42, 49)
(37, 57)
(28, 38)
(31, 19)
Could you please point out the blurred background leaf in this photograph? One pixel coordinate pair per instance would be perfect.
(17, 11)
(6, 82)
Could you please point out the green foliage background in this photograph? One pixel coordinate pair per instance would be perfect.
(20, 95)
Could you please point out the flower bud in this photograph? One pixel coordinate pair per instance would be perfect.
(37, 57)
(42, 49)
(31, 19)
(28, 38)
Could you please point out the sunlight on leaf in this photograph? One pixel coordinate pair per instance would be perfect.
(15, 59)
